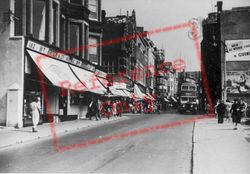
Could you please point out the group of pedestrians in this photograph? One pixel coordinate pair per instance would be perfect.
(236, 110)
(107, 108)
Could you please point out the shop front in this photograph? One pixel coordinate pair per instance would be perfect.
(65, 84)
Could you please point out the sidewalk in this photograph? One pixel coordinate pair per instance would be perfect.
(220, 149)
(12, 136)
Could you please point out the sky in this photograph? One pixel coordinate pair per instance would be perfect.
(155, 14)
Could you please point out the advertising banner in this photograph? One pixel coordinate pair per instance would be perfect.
(238, 82)
(238, 50)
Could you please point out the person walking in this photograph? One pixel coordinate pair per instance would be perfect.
(119, 108)
(221, 110)
(35, 110)
(93, 109)
(235, 113)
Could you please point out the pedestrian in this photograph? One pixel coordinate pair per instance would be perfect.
(235, 112)
(93, 109)
(119, 108)
(228, 106)
(35, 110)
(115, 108)
(221, 110)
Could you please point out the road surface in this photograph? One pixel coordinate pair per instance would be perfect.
(166, 150)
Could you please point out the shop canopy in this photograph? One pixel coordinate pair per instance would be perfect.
(67, 76)
(127, 93)
(58, 72)
(166, 100)
(150, 97)
(138, 94)
(89, 80)
(174, 99)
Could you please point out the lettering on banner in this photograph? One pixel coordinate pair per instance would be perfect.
(58, 55)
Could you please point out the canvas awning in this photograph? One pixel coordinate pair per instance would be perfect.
(166, 100)
(88, 79)
(139, 95)
(150, 97)
(127, 93)
(58, 72)
(174, 99)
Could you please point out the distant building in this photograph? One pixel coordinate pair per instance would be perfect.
(128, 59)
(165, 80)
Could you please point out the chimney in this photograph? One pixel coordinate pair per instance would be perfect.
(219, 6)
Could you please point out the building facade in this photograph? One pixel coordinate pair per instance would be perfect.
(225, 51)
(126, 59)
(45, 54)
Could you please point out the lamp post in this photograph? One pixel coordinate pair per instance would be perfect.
(223, 62)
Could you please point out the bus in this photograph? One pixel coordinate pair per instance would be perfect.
(188, 102)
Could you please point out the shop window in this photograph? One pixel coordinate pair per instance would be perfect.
(93, 7)
(16, 17)
(39, 19)
(55, 23)
(93, 50)
(75, 38)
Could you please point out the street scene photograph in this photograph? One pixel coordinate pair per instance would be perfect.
(125, 86)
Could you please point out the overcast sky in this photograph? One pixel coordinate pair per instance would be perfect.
(154, 14)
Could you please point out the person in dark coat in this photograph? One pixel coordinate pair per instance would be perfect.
(221, 110)
(93, 109)
(235, 112)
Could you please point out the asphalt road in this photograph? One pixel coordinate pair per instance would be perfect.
(166, 150)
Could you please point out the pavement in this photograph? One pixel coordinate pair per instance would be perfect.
(220, 149)
(12, 136)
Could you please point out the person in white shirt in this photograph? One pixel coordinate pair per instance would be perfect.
(35, 111)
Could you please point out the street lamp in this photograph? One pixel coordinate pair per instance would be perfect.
(215, 44)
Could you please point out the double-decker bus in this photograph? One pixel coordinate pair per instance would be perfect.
(188, 98)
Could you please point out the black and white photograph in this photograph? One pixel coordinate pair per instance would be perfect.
(125, 86)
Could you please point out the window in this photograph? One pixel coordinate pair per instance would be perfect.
(75, 37)
(86, 34)
(184, 99)
(93, 7)
(184, 87)
(109, 66)
(16, 17)
(79, 2)
(192, 88)
(39, 19)
(192, 99)
(93, 50)
(63, 32)
(55, 23)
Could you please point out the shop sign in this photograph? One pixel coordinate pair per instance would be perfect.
(100, 73)
(58, 55)
(238, 81)
(238, 50)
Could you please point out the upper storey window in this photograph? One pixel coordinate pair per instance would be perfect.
(16, 17)
(93, 7)
(39, 18)
(79, 2)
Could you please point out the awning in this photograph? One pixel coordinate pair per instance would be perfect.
(138, 94)
(127, 93)
(150, 97)
(174, 99)
(88, 79)
(58, 72)
(166, 100)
